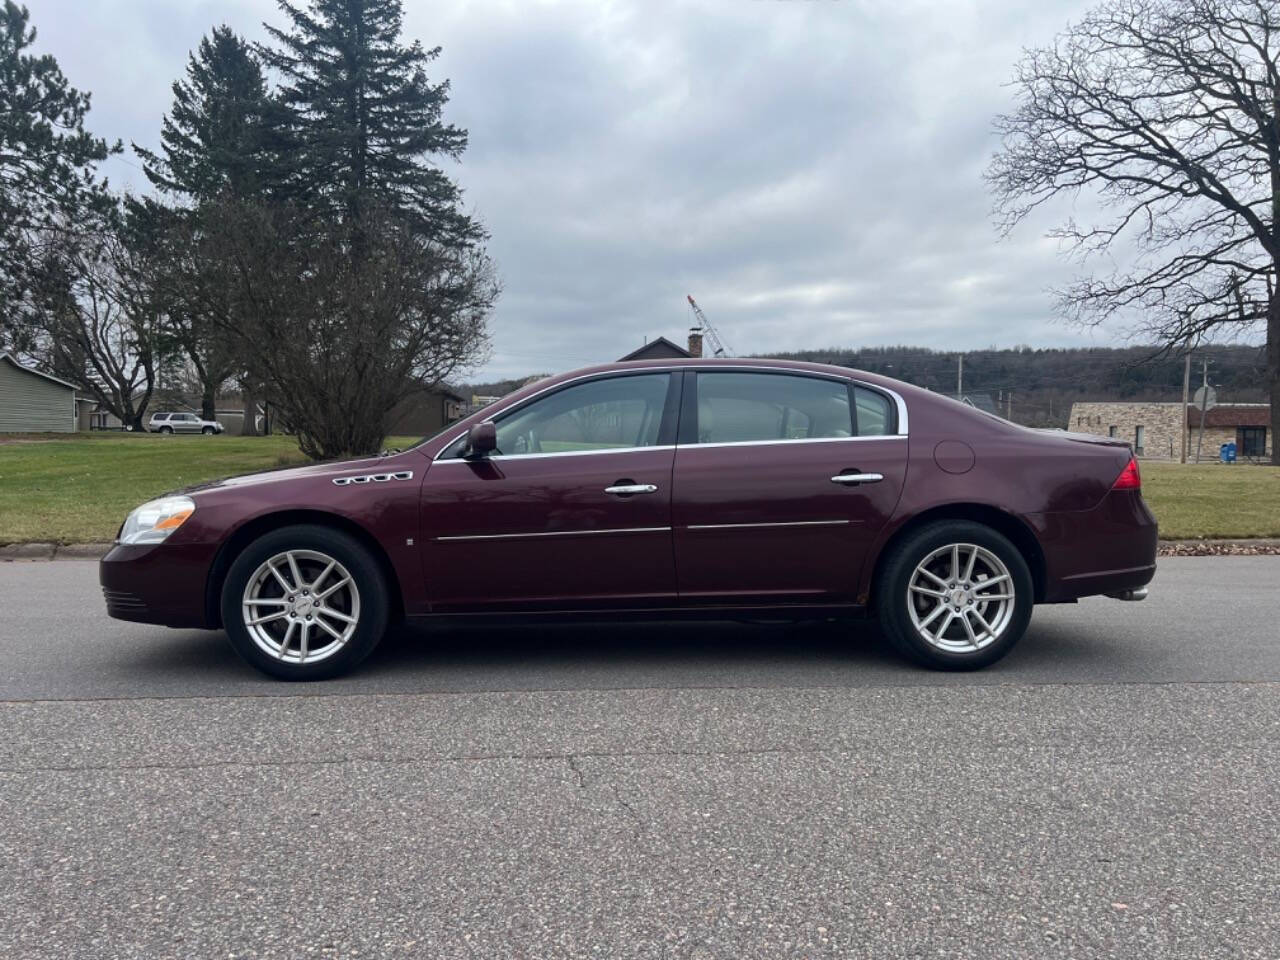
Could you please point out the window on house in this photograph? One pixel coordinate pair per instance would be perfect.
(1251, 441)
(1139, 440)
(1111, 431)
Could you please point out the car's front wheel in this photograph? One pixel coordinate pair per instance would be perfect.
(305, 603)
(207, 431)
(166, 429)
(955, 595)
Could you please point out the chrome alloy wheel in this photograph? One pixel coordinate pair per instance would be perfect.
(301, 606)
(961, 598)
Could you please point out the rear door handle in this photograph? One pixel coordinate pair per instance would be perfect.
(625, 489)
(856, 478)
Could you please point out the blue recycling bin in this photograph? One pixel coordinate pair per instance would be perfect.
(1228, 452)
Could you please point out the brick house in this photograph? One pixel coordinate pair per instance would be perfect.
(1154, 430)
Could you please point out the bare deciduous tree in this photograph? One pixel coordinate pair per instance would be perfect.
(341, 336)
(95, 325)
(1168, 111)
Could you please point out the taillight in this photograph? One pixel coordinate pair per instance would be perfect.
(1129, 478)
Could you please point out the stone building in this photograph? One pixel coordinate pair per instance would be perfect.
(1154, 430)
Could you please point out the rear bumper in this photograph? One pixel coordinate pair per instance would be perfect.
(1109, 549)
(164, 583)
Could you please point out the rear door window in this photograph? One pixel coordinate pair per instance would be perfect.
(737, 407)
(873, 412)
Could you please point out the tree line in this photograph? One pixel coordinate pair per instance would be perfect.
(1045, 382)
(300, 242)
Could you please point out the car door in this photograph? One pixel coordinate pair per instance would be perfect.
(573, 510)
(781, 482)
(185, 423)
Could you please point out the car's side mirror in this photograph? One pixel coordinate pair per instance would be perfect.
(482, 440)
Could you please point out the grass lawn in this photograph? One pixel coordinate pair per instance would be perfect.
(1212, 500)
(79, 487)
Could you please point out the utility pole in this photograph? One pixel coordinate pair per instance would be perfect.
(960, 377)
(1204, 404)
(1009, 410)
(1186, 401)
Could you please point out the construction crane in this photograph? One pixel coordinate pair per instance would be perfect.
(709, 333)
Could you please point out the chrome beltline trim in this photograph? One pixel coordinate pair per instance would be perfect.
(897, 397)
(556, 533)
(784, 523)
(772, 443)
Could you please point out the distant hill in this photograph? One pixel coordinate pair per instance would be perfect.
(1044, 383)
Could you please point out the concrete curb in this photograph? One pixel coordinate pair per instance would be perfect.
(53, 551)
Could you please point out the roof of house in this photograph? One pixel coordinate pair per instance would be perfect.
(660, 348)
(982, 401)
(8, 356)
(1232, 415)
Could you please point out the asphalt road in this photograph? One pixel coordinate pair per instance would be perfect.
(707, 791)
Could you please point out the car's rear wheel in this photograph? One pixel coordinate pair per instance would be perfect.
(305, 603)
(955, 595)
(207, 430)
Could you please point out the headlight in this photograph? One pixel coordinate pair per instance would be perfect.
(155, 520)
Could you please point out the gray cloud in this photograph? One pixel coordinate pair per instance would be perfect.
(810, 171)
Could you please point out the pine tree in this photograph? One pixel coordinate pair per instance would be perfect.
(47, 158)
(366, 118)
(217, 145)
(218, 134)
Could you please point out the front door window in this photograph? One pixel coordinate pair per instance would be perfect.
(598, 415)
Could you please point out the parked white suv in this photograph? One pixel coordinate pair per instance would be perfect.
(182, 423)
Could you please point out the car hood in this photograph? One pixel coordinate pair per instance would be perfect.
(334, 468)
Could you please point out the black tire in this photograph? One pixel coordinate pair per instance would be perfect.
(893, 595)
(365, 572)
(208, 431)
(166, 429)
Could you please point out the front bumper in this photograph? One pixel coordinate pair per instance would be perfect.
(162, 583)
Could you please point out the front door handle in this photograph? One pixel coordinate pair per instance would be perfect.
(625, 488)
(856, 478)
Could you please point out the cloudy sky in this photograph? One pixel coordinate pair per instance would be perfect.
(810, 170)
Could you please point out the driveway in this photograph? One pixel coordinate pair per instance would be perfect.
(703, 791)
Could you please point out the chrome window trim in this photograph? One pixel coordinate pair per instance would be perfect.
(554, 533)
(900, 403)
(560, 453)
(780, 523)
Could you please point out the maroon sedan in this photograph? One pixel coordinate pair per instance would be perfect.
(709, 488)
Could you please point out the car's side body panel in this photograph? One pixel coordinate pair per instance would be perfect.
(759, 522)
(540, 531)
